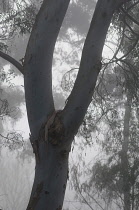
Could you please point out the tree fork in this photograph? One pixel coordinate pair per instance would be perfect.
(52, 149)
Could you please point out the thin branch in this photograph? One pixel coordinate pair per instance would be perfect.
(120, 44)
(129, 16)
(130, 50)
(130, 28)
(12, 61)
(92, 197)
(129, 8)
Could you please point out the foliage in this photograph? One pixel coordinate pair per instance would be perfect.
(119, 76)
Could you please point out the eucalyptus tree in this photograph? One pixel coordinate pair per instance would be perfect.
(52, 131)
(116, 177)
(15, 19)
(122, 138)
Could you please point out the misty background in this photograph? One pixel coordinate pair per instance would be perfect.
(93, 181)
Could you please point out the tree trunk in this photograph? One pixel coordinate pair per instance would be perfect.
(51, 175)
(52, 133)
(124, 155)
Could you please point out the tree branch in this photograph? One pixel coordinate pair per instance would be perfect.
(12, 61)
(90, 65)
(38, 62)
(129, 16)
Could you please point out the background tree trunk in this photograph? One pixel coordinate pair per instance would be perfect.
(124, 154)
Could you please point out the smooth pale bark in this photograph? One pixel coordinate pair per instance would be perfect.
(124, 154)
(52, 150)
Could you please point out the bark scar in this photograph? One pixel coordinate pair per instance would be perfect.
(49, 123)
(54, 129)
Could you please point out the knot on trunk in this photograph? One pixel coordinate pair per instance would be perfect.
(56, 130)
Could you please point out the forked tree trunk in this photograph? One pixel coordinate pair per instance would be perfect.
(52, 133)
